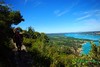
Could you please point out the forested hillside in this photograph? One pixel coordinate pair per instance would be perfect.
(41, 50)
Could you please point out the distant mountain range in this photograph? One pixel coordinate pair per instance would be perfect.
(87, 32)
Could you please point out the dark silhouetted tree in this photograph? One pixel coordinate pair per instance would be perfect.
(7, 18)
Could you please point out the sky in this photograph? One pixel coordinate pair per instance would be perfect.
(58, 16)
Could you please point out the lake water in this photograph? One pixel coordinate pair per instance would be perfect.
(87, 46)
(83, 36)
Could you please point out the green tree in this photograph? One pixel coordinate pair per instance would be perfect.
(44, 37)
(7, 18)
(95, 54)
(30, 32)
(36, 35)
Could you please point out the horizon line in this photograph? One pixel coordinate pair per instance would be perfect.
(72, 32)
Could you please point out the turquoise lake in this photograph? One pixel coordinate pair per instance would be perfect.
(87, 46)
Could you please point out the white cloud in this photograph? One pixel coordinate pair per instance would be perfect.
(89, 24)
(88, 14)
(93, 12)
(35, 2)
(83, 17)
(62, 13)
(59, 13)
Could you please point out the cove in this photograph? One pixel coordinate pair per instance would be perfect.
(87, 46)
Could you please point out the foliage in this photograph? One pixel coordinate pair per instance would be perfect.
(61, 55)
(95, 54)
(7, 18)
(45, 51)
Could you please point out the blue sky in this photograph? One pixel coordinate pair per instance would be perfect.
(58, 16)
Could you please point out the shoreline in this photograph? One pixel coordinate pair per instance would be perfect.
(84, 43)
(79, 50)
